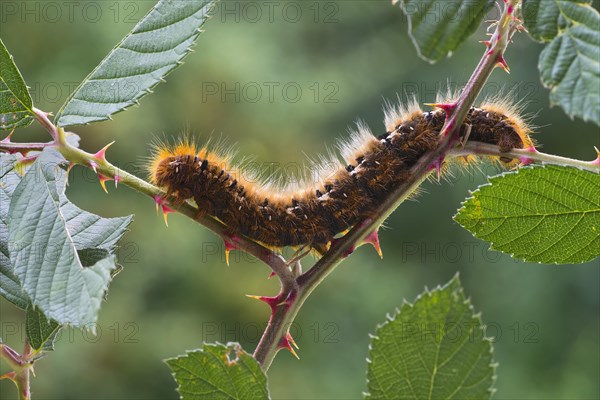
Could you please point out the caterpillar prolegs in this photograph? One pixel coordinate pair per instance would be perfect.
(314, 213)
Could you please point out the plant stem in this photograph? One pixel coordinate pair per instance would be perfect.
(21, 366)
(295, 290)
(284, 315)
(11, 147)
(528, 156)
(105, 169)
(22, 378)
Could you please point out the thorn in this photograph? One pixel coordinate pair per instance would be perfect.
(117, 180)
(597, 160)
(447, 107)
(103, 179)
(291, 340)
(162, 203)
(94, 166)
(157, 201)
(229, 242)
(284, 343)
(373, 240)
(7, 138)
(23, 163)
(69, 167)
(526, 160)
(272, 302)
(272, 274)
(437, 165)
(101, 154)
(166, 211)
(487, 43)
(502, 63)
(9, 375)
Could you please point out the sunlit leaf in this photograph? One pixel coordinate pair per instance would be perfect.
(570, 63)
(154, 47)
(434, 349)
(219, 372)
(437, 28)
(543, 214)
(15, 101)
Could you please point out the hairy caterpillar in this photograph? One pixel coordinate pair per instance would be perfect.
(313, 214)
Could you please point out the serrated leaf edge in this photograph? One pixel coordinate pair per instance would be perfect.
(408, 305)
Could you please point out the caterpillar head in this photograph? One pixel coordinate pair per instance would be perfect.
(173, 172)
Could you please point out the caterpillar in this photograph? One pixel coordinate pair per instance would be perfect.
(314, 213)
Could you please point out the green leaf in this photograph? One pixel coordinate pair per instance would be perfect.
(543, 214)
(95, 238)
(154, 47)
(43, 253)
(219, 372)
(40, 331)
(570, 64)
(437, 28)
(434, 349)
(10, 287)
(15, 101)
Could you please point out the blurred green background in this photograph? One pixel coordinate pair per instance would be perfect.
(328, 64)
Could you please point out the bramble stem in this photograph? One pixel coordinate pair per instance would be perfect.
(77, 156)
(11, 147)
(21, 365)
(284, 315)
(295, 285)
(484, 149)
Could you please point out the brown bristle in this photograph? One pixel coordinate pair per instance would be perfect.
(312, 215)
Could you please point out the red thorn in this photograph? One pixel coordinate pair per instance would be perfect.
(229, 245)
(272, 302)
(162, 203)
(101, 155)
(487, 43)
(291, 340)
(597, 160)
(12, 375)
(447, 107)
(158, 201)
(437, 165)
(94, 166)
(103, 179)
(7, 138)
(272, 274)
(502, 63)
(373, 240)
(284, 343)
(526, 160)
(166, 211)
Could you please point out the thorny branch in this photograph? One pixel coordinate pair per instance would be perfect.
(276, 335)
(295, 285)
